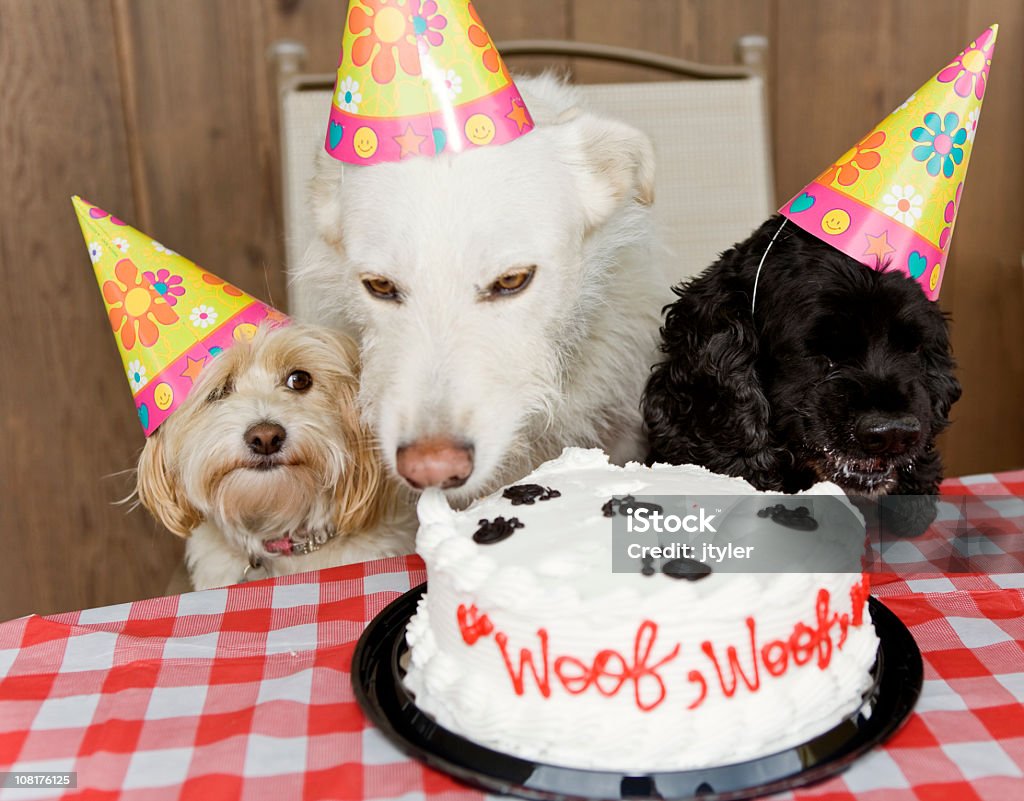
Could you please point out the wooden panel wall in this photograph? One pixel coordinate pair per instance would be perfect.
(65, 411)
(164, 113)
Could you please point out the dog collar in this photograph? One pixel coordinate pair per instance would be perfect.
(286, 546)
(292, 546)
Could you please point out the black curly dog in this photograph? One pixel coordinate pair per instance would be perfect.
(841, 374)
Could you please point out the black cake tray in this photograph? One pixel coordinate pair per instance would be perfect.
(377, 679)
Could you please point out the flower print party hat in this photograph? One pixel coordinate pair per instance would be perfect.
(169, 315)
(891, 201)
(418, 78)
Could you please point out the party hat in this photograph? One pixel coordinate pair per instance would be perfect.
(170, 316)
(891, 201)
(418, 78)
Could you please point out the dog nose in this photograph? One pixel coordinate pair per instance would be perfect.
(435, 462)
(265, 438)
(884, 434)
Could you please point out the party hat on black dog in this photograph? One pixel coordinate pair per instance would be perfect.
(891, 201)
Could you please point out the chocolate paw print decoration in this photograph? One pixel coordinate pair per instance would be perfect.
(799, 518)
(528, 494)
(626, 505)
(689, 569)
(492, 531)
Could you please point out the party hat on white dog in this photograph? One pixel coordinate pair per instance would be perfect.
(891, 201)
(419, 77)
(169, 315)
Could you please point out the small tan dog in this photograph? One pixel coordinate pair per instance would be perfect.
(266, 467)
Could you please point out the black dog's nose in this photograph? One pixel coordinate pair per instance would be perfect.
(265, 438)
(888, 435)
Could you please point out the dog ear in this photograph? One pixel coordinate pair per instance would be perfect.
(612, 161)
(704, 403)
(364, 494)
(941, 372)
(160, 491)
(325, 195)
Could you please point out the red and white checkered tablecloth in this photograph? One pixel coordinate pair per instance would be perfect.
(245, 693)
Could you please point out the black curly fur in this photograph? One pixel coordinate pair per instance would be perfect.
(774, 397)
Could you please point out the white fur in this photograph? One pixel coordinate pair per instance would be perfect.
(562, 363)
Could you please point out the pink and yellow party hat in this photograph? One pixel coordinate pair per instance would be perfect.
(418, 78)
(891, 201)
(170, 317)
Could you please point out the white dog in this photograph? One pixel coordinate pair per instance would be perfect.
(266, 467)
(506, 299)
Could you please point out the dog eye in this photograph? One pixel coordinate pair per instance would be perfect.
(299, 381)
(221, 392)
(905, 337)
(511, 282)
(381, 287)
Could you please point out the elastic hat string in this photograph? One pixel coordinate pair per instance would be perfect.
(757, 277)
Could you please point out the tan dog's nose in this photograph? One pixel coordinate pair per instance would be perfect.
(435, 462)
(265, 438)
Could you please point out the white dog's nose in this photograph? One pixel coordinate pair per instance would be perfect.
(435, 462)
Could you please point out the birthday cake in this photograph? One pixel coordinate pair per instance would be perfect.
(528, 643)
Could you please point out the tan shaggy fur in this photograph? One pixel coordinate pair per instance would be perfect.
(200, 479)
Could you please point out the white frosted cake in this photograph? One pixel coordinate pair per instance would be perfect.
(528, 643)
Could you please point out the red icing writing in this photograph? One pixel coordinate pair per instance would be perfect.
(804, 644)
(577, 677)
(729, 686)
(473, 625)
(610, 670)
(607, 672)
(696, 677)
(775, 656)
(526, 659)
(859, 597)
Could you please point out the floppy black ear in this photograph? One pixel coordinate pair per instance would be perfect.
(911, 505)
(940, 370)
(704, 403)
